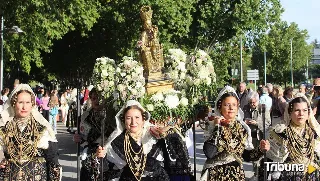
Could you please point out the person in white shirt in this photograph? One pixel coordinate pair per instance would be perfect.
(64, 107)
(4, 94)
(267, 100)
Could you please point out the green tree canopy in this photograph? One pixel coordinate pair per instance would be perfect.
(278, 48)
(62, 36)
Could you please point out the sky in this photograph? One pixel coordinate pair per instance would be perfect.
(306, 13)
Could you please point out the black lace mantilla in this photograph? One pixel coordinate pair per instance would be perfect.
(176, 155)
(91, 170)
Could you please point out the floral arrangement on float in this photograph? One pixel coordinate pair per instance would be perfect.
(129, 80)
(201, 76)
(168, 107)
(104, 76)
(193, 75)
(175, 64)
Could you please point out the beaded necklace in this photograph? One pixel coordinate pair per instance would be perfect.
(301, 147)
(135, 160)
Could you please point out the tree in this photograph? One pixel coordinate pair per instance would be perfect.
(85, 30)
(43, 22)
(218, 21)
(278, 47)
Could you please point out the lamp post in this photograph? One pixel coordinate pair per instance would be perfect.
(1, 63)
(265, 67)
(241, 66)
(291, 63)
(14, 29)
(307, 71)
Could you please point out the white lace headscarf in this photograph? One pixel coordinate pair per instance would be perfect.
(313, 123)
(8, 112)
(147, 139)
(240, 115)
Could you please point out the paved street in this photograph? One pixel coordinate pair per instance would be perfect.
(68, 154)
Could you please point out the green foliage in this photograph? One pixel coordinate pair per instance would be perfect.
(220, 20)
(314, 71)
(278, 46)
(65, 37)
(43, 22)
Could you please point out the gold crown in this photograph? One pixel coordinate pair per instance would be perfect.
(146, 13)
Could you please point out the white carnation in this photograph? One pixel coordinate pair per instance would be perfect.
(203, 73)
(138, 84)
(103, 61)
(182, 66)
(157, 97)
(199, 61)
(104, 73)
(150, 107)
(184, 101)
(134, 91)
(183, 75)
(172, 101)
(121, 87)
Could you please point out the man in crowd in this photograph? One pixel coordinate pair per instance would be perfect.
(267, 100)
(242, 93)
(302, 89)
(254, 121)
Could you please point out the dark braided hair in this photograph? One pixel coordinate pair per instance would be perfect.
(224, 96)
(297, 100)
(14, 98)
(144, 114)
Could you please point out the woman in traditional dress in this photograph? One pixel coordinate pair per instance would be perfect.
(229, 141)
(136, 146)
(177, 160)
(297, 142)
(90, 139)
(27, 140)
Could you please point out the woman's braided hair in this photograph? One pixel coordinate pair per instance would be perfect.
(144, 114)
(14, 98)
(224, 96)
(297, 100)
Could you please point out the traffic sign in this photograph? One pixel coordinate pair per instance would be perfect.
(253, 74)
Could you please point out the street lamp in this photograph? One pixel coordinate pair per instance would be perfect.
(14, 29)
(291, 63)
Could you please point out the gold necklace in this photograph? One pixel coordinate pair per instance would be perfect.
(136, 137)
(22, 145)
(301, 148)
(298, 128)
(135, 160)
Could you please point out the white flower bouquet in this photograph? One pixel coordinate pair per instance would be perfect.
(200, 77)
(130, 80)
(104, 76)
(168, 107)
(175, 63)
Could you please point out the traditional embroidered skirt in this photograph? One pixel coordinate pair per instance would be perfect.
(297, 176)
(228, 172)
(36, 171)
